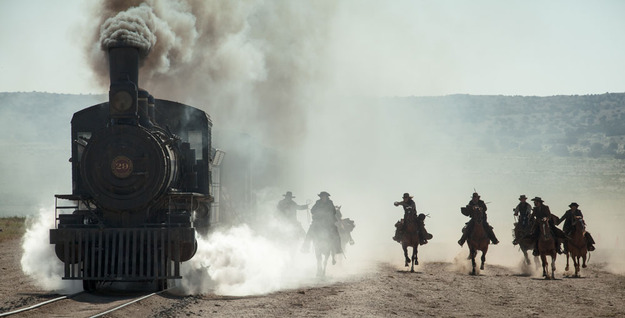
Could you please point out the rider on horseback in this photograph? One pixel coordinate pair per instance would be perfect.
(410, 208)
(476, 203)
(323, 219)
(542, 211)
(569, 218)
(288, 211)
(523, 211)
(288, 208)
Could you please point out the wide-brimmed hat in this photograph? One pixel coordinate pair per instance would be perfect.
(323, 193)
(538, 199)
(407, 195)
(475, 195)
(522, 197)
(573, 204)
(288, 194)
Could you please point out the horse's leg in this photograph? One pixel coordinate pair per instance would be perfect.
(333, 259)
(543, 260)
(412, 261)
(527, 258)
(483, 258)
(319, 264)
(472, 254)
(567, 261)
(405, 247)
(553, 265)
(325, 265)
(415, 251)
(576, 263)
(584, 260)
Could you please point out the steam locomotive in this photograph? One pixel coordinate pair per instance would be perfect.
(141, 185)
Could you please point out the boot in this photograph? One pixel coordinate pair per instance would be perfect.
(558, 248)
(462, 239)
(491, 235)
(535, 252)
(590, 242)
(398, 235)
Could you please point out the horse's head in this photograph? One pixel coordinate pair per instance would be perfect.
(545, 230)
(477, 214)
(578, 223)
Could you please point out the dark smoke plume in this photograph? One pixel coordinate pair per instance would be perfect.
(253, 65)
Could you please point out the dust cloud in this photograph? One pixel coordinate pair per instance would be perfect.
(39, 260)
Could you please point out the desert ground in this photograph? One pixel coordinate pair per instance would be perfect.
(435, 289)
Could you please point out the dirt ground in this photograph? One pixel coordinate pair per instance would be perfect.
(436, 289)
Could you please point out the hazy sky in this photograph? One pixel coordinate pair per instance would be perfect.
(383, 48)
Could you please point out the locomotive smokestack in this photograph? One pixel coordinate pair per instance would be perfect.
(123, 94)
(124, 64)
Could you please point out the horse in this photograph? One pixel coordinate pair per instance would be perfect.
(576, 245)
(410, 238)
(520, 233)
(322, 240)
(546, 246)
(478, 240)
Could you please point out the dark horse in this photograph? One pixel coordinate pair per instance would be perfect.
(576, 245)
(520, 233)
(478, 240)
(411, 238)
(546, 246)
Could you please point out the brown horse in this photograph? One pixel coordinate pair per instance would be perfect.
(546, 246)
(411, 238)
(478, 240)
(576, 245)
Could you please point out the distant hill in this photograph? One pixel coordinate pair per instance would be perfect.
(588, 125)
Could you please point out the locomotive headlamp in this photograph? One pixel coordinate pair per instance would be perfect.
(121, 101)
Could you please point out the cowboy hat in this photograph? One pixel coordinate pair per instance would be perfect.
(538, 199)
(407, 195)
(522, 197)
(323, 193)
(288, 194)
(573, 204)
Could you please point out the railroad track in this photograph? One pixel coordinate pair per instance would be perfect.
(92, 305)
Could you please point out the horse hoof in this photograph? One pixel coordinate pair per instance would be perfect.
(584, 266)
(406, 265)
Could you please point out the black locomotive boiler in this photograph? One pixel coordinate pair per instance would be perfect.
(141, 185)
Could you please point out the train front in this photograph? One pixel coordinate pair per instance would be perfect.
(141, 181)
